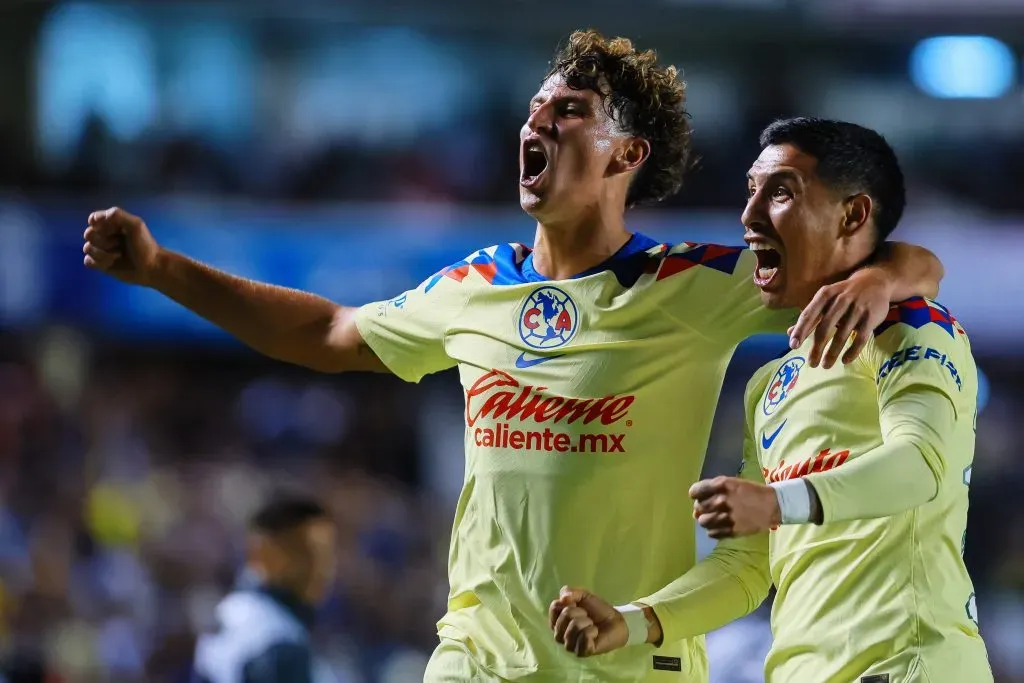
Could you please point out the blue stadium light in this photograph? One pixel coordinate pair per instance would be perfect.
(963, 67)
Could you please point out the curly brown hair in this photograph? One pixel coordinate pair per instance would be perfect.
(647, 100)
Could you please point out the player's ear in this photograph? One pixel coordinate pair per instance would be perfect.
(857, 213)
(630, 155)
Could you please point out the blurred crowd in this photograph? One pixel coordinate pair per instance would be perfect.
(126, 475)
(127, 470)
(124, 492)
(252, 102)
(473, 159)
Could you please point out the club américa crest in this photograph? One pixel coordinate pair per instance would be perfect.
(549, 318)
(782, 384)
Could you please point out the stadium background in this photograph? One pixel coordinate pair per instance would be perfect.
(353, 148)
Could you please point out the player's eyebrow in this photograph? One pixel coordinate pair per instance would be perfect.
(561, 99)
(776, 176)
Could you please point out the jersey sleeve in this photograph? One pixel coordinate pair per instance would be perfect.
(718, 297)
(408, 332)
(730, 583)
(925, 381)
(922, 346)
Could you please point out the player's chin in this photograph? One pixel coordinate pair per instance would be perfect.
(772, 284)
(774, 300)
(533, 201)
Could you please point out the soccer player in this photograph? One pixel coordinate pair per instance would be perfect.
(591, 364)
(263, 634)
(868, 464)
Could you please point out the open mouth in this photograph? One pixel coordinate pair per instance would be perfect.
(535, 163)
(769, 263)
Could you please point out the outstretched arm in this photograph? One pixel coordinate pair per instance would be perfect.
(285, 324)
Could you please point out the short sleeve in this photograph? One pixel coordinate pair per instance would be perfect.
(408, 332)
(922, 346)
(717, 296)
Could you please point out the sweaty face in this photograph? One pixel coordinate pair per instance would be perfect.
(566, 145)
(793, 224)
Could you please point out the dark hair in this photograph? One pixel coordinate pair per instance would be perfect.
(851, 158)
(284, 512)
(645, 99)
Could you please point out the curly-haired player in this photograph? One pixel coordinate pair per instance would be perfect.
(590, 363)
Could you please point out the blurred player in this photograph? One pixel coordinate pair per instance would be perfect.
(265, 623)
(876, 453)
(590, 363)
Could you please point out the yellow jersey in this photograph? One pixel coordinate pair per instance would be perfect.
(872, 600)
(588, 408)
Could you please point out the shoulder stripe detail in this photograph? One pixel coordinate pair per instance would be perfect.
(918, 312)
(687, 255)
(498, 265)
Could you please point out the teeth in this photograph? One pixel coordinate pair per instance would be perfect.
(761, 246)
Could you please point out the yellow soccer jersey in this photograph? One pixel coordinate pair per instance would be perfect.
(588, 406)
(884, 600)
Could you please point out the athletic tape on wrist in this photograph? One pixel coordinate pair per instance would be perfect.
(794, 501)
(636, 622)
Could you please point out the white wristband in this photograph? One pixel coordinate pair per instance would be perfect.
(636, 622)
(794, 501)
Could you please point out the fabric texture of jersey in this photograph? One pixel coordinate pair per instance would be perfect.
(588, 406)
(871, 597)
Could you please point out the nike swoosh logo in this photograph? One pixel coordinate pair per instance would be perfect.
(523, 362)
(766, 441)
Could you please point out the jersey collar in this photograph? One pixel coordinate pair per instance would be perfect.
(637, 244)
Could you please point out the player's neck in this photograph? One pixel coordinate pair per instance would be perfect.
(564, 251)
(845, 264)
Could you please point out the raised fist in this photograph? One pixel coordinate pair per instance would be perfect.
(119, 244)
(731, 507)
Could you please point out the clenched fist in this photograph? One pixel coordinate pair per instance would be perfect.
(585, 624)
(120, 244)
(729, 506)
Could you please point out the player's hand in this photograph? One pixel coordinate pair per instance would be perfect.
(728, 507)
(855, 306)
(585, 624)
(119, 244)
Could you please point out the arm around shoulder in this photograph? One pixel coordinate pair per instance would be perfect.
(914, 270)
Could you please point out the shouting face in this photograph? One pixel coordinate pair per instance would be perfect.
(570, 146)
